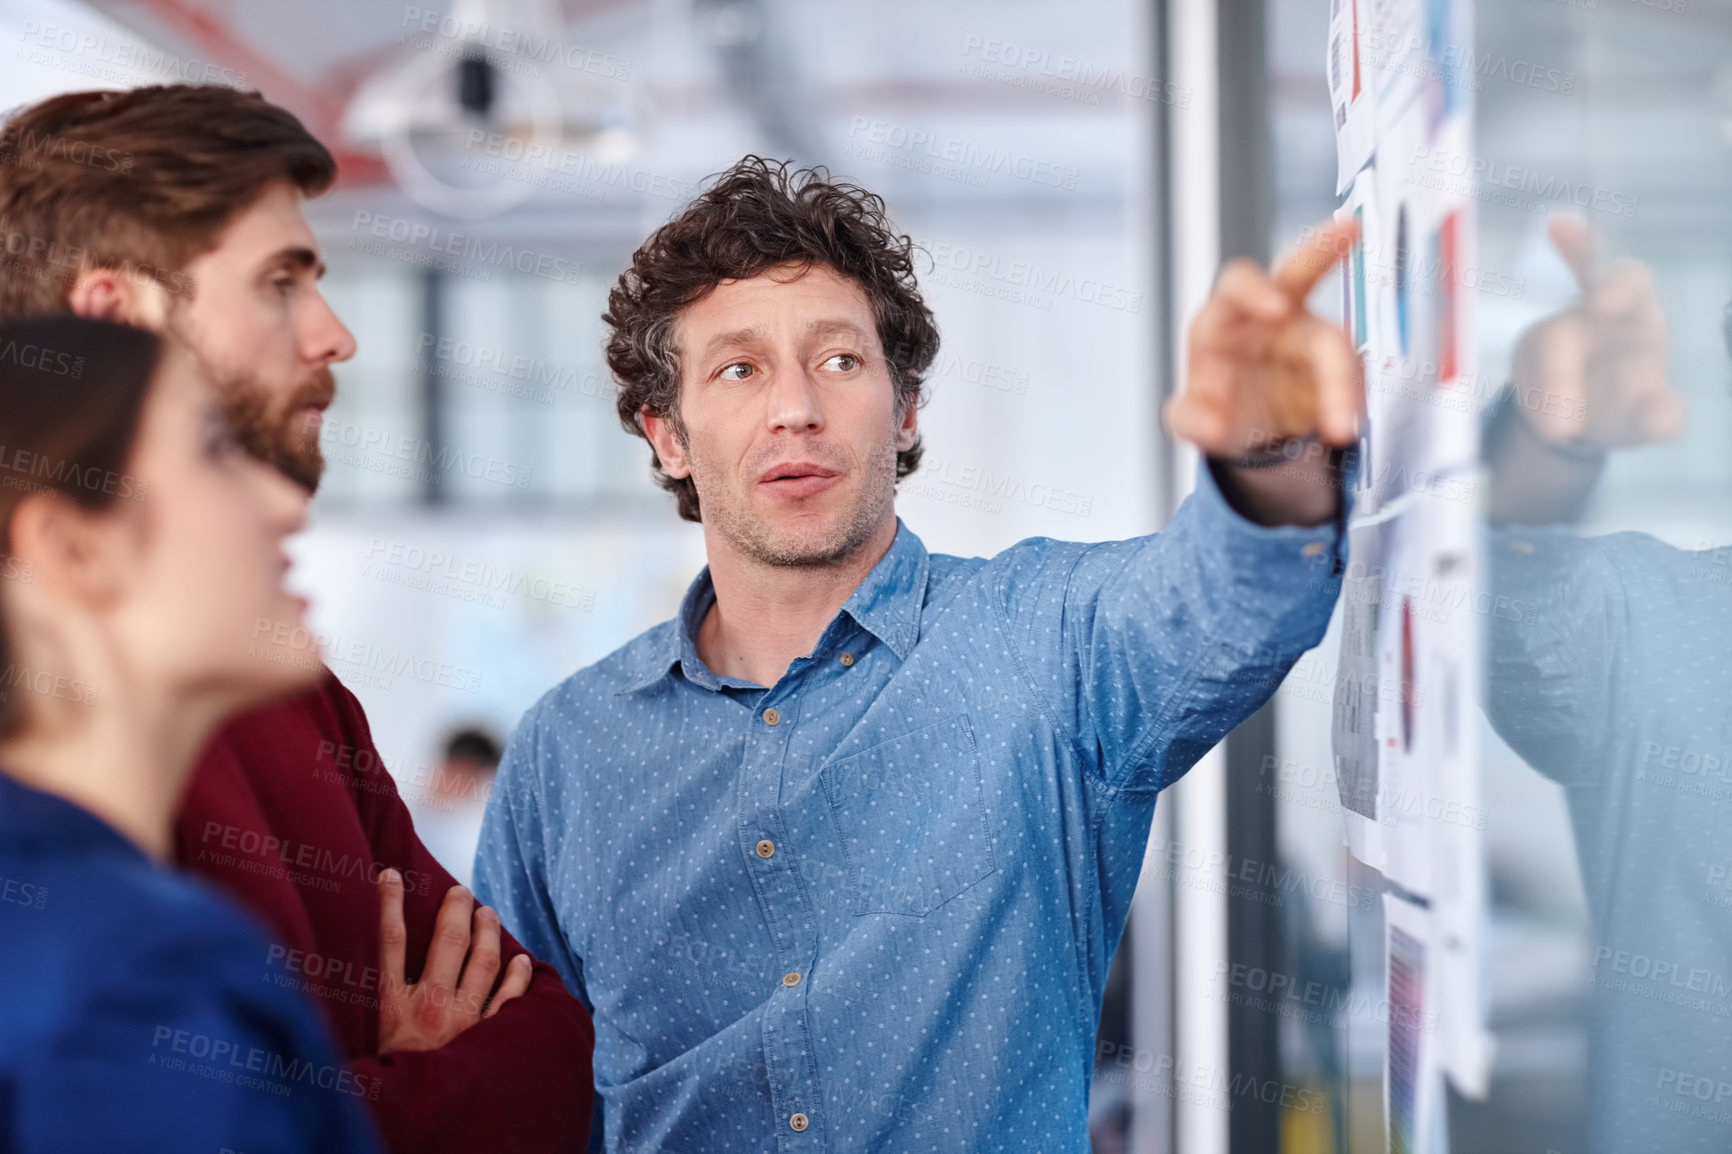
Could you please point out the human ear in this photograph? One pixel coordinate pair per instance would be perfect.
(909, 430)
(669, 451)
(108, 294)
(78, 553)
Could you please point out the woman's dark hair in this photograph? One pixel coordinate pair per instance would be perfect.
(758, 215)
(71, 395)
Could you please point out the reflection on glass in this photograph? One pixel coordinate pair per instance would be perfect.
(1606, 526)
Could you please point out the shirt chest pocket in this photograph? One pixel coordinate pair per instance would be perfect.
(912, 817)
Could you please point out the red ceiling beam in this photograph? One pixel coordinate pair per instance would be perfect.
(320, 110)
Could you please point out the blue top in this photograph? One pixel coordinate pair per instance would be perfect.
(136, 1012)
(1611, 672)
(872, 907)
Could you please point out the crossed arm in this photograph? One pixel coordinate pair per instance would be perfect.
(467, 1059)
(456, 988)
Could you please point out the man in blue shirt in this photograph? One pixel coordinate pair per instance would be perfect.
(838, 857)
(1612, 675)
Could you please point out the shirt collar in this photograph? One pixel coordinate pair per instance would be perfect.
(887, 604)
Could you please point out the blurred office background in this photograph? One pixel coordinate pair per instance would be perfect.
(1075, 172)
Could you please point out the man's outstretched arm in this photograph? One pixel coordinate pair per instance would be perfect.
(1168, 641)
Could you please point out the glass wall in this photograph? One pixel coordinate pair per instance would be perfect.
(1602, 180)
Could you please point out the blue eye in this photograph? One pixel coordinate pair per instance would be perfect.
(729, 374)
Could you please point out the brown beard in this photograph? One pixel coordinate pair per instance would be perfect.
(277, 435)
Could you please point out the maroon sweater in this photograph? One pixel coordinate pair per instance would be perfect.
(292, 812)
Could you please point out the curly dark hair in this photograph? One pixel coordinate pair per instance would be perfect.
(755, 216)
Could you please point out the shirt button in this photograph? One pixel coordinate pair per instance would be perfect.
(771, 717)
(766, 849)
(1315, 549)
(790, 979)
(798, 1123)
(847, 660)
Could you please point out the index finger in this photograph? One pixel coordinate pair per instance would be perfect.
(1575, 243)
(393, 935)
(1325, 248)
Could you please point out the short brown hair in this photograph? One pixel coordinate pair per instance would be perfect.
(142, 181)
(757, 215)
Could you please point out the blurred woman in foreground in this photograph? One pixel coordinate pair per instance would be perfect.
(141, 603)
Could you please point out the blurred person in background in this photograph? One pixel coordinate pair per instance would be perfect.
(141, 548)
(178, 209)
(1614, 679)
(449, 806)
(839, 856)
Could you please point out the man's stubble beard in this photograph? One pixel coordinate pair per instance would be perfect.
(278, 435)
(273, 433)
(760, 542)
(283, 440)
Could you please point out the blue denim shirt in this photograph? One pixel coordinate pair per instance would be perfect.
(872, 907)
(1610, 671)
